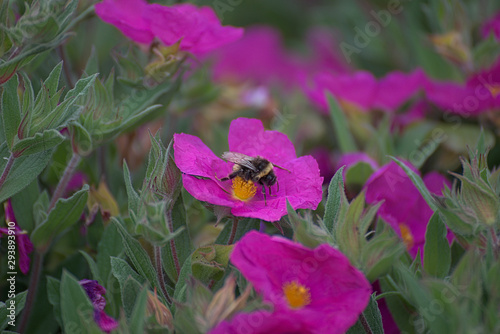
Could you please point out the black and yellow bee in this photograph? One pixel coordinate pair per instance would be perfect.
(254, 169)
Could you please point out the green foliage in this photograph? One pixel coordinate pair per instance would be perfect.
(65, 214)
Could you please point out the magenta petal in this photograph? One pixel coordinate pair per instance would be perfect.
(126, 15)
(95, 292)
(104, 321)
(339, 292)
(25, 247)
(198, 29)
(248, 136)
(208, 191)
(435, 182)
(193, 157)
(262, 322)
(396, 88)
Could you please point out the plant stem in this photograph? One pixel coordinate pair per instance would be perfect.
(61, 186)
(173, 248)
(159, 272)
(363, 321)
(7, 169)
(233, 231)
(32, 290)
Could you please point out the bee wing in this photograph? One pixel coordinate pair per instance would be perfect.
(239, 159)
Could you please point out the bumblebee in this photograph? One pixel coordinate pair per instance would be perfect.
(254, 169)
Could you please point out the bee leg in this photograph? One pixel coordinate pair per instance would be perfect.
(278, 185)
(264, 193)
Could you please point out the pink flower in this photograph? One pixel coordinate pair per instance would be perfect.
(259, 57)
(365, 91)
(300, 184)
(404, 208)
(480, 93)
(127, 16)
(261, 322)
(492, 26)
(353, 158)
(24, 245)
(198, 29)
(317, 288)
(95, 292)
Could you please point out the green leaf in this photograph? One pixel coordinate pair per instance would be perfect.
(122, 270)
(373, 319)
(23, 171)
(358, 173)
(437, 253)
(418, 182)
(16, 303)
(133, 197)
(81, 140)
(306, 232)
(23, 202)
(75, 304)
(244, 225)
(181, 286)
(65, 213)
(109, 246)
(182, 241)
(334, 201)
(130, 289)
(52, 81)
(341, 126)
(41, 141)
(423, 301)
(401, 311)
(93, 266)
(139, 257)
(138, 317)
(210, 262)
(11, 112)
(54, 296)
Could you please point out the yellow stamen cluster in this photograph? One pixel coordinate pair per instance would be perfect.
(406, 235)
(296, 294)
(494, 90)
(243, 190)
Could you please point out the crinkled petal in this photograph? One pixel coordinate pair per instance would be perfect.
(248, 136)
(127, 16)
(209, 191)
(193, 157)
(104, 321)
(262, 322)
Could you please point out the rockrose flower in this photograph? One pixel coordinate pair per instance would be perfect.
(24, 245)
(197, 29)
(95, 292)
(364, 91)
(316, 289)
(404, 208)
(480, 93)
(202, 170)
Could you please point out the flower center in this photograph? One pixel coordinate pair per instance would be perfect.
(494, 90)
(406, 235)
(243, 190)
(296, 294)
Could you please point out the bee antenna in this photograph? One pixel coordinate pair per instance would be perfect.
(281, 168)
